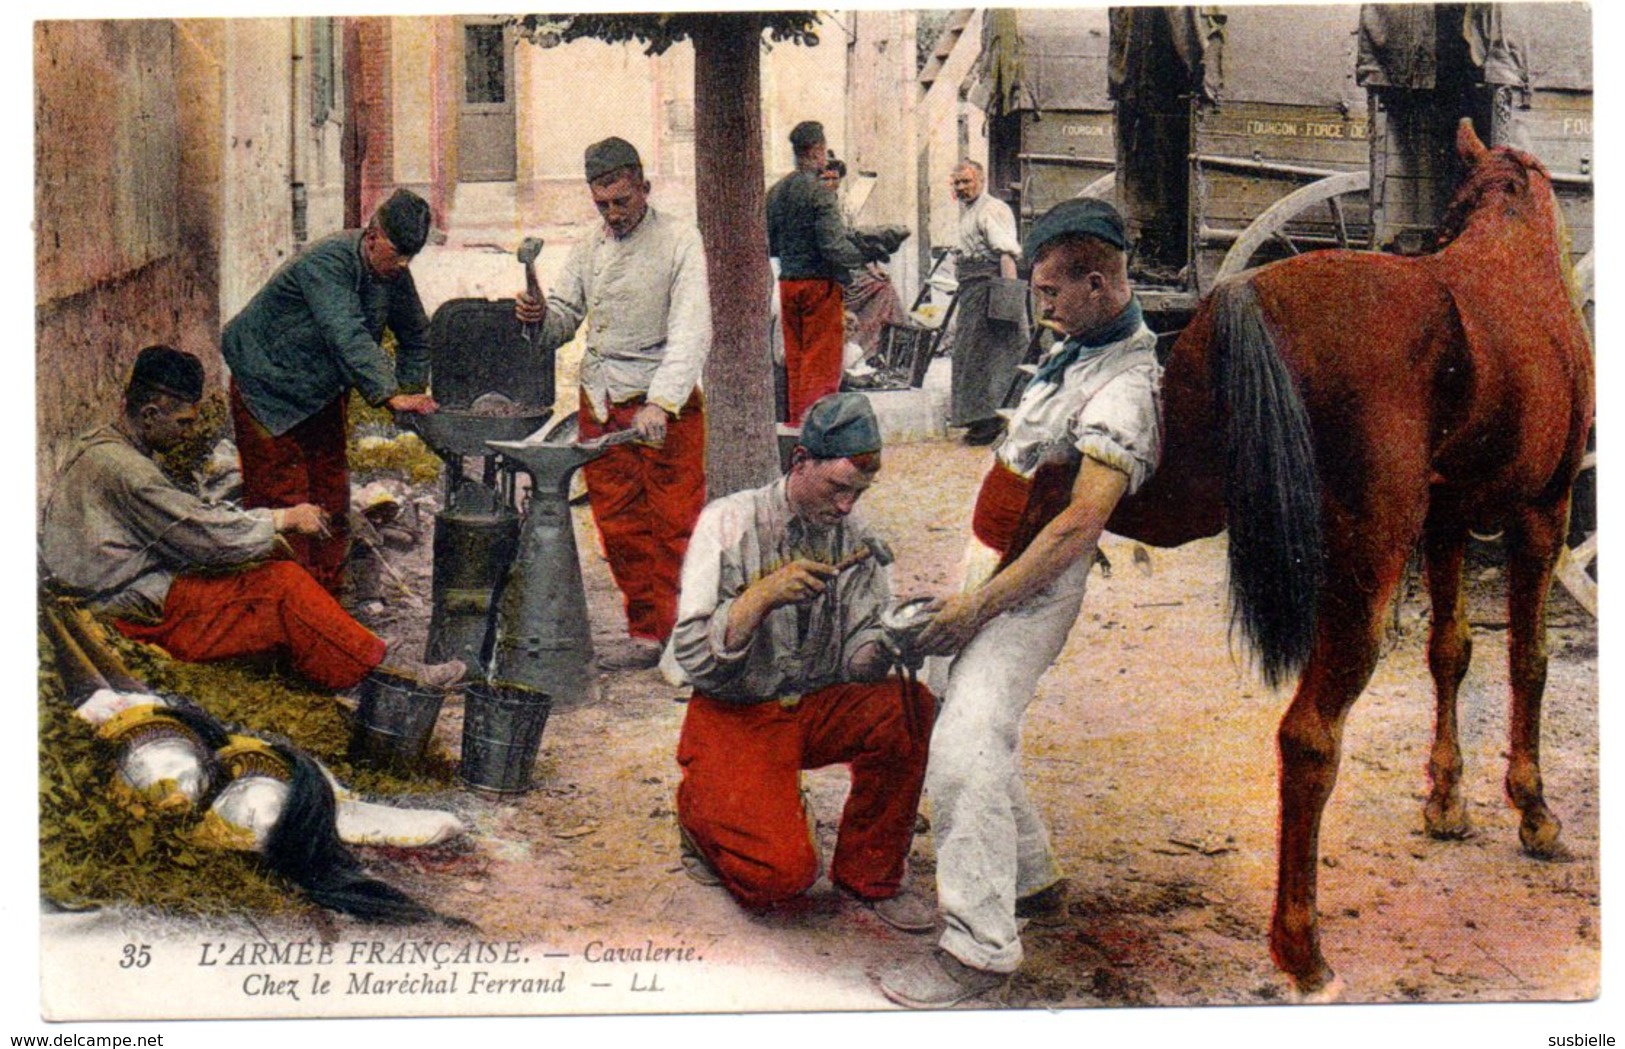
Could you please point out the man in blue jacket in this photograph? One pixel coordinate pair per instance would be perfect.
(806, 234)
(310, 336)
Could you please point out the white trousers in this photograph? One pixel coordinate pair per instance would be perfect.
(992, 846)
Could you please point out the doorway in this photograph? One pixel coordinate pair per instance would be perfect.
(485, 126)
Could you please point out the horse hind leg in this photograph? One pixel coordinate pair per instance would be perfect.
(1450, 649)
(1533, 545)
(1347, 643)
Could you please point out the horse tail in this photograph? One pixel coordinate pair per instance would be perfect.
(1272, 488)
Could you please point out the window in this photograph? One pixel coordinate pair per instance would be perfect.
(484, 64)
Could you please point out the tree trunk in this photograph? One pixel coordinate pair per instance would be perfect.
(731, 204)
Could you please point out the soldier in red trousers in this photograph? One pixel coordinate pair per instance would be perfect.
(195, 578)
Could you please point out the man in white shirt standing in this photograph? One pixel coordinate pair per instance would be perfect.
(639, 284)
(988, 348)
(1087, 432)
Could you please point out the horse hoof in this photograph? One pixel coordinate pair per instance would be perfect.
(1328, 993)
(1447, 822)
(1540, 838)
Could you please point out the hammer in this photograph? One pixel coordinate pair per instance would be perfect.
(529, 249)
(873, 547)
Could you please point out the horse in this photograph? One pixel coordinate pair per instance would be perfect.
(1337, 409)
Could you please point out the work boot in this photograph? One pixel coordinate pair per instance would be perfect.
(638, 653)
(695, 865)
(428, 675)
(907, 911)
(938, 980)
(1045, 908)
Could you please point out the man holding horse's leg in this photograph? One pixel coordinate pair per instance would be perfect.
(1086, 432)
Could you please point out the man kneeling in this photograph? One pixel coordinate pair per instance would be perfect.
(188, 576)
(785, 651)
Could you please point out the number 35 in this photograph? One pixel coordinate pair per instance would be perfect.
(135, 956)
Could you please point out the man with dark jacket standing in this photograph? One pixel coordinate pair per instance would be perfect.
(311, 335)
(806, 234)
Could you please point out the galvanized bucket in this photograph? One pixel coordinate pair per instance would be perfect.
(395, 722)
(502, 733)
(1006, 300)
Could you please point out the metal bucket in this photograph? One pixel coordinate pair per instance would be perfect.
(1007, 300)
(395, 722)
(502, 733)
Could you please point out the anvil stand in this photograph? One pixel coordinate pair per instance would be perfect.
(543, 638)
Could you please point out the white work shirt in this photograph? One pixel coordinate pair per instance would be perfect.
(1108, 406)
(647, 305)
(797, 649)
(987, 229)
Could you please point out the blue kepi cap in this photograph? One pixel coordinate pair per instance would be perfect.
(405, 219)
(840, 425)
(1085, 215)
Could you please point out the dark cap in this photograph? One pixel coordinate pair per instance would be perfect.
(840, 425)
(612, 154)
(170, 371)
(405, 219)
(806, 135)
(1084, 215)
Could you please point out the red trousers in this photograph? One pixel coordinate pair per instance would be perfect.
(273, 607)
(645, 501)
(814, 336)
(740, 798)
(307, 464)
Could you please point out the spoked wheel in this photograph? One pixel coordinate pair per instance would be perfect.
(1340, 196)
(1577, 567)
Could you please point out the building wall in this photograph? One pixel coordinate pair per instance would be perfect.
(120, 259)
(318, 159)
(950, 128)
(165, 156)
(805, 83)
(556, 123)
(257, 236)
(882, 135)
(413, 68)
(372, 110)
(649, 101)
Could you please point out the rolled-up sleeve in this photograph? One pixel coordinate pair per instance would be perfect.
(999, 227)
(1121, 426)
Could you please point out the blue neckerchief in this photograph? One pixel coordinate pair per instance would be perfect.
(1125, 324)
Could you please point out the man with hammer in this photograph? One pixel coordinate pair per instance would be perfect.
(310, 336)
(194, 578)
(639, 284)
(779, 633)
(1087, 431)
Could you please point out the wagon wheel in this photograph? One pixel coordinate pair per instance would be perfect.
(1272, 222)
(1577, 566)
(1102, 188)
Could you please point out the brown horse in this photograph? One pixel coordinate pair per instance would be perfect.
(1337, 409)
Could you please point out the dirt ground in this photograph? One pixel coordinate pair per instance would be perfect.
(1152, 754)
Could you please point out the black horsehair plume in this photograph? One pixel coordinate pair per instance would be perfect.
(304, 847)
